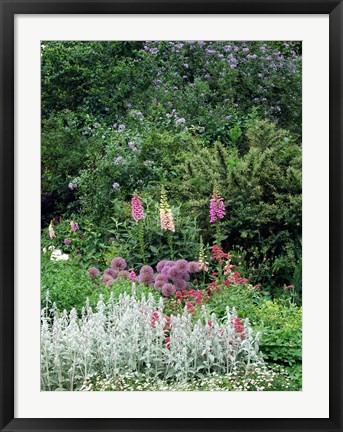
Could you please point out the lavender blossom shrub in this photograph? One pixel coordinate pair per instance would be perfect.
(131, 334)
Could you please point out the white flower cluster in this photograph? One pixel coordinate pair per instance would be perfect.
(130, 334)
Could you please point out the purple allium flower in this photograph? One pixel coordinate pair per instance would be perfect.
(118, 263)
(185, 65)
(227, 48)
(245, 49)
(173, 273)
(125, 274)
(74, 226)
(116, 186)
(161, 278)
(107, 279)
(147, 270)
(160, 265)
(159, 284)
(182, 265)
(180, 284)
(67, 241)
(146, 279)
(193, 267)
(93, 272)
(184, 275)
(112, 272)
(168, 290)
(208, 76)
(263, 49)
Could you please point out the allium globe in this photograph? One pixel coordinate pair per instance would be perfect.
(112, 272)
(125, 274)
(173, 273)
(160, 265)
(118, 263)
(193, 267)
(168, 290)
(107, 279)
(93, 272)
(182, 265)
(184, 275)
(146, 270)
(146, 279)
(180, 284)
(159, 284)
(161, 277)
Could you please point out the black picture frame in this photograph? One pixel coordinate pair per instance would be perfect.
(8, 10)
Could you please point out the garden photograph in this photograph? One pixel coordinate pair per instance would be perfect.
(171, 216)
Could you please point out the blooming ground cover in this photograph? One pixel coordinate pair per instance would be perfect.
(171, 216)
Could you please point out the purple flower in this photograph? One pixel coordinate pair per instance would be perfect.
(67, 241)
(93, 272)
(146, 270)
(160, 265)
(118, 263)
(107, 279)
(180, 121)
(146, 279)
(182, 265)
(112, 272)
(168, 290)
(121, 127)
(173, 273)
(125, 274)
(245, 49)
(193, 267)
(185, 65)
(180, 284)
(116, 186)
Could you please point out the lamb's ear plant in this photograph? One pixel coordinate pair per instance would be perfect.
(133, 334)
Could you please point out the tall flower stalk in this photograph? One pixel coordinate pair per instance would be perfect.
(138, 216)
(167, 219)
(217, 212)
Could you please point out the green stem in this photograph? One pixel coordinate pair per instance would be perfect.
(170, 243)
(141, 240)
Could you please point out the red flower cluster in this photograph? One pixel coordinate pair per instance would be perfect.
(219, 254)
(190, 295)
(156, 317)
(239, 327)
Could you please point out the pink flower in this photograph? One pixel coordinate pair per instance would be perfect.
(74, 226)
(167, 220)
(217, 208)
(137, 207)
(166, 214)
(67, 241)
(132, 275)
(51, 231)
